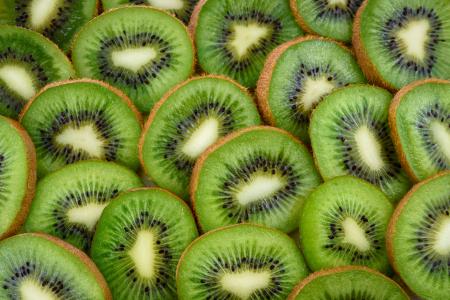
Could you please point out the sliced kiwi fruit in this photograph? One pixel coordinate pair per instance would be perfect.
(189, 119)
(329, 18)
(343, 222)
(418, 238)
(17, 175)
(350, 136)
(240, 262)
(139, 240)
(141, 50)
(297, 75)
(233, 38)
(28, 61)
(398, 42)
(69, 201)
(259, 175)
(82, 119)
(349, 282)
(419, 118)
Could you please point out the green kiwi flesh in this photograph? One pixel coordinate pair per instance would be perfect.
(240, 262)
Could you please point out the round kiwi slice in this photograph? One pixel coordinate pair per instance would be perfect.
(419, 118)
(343, 222)
(259, 175)
(418, 238)
(58, 20)
(398, 42)
(79, 120)
(138, 49)
(28, 61)
(69, 202)
(17, 175)
(233, 38)
(240, 262)
(329, 18)
(39, 266)
(349, 282)
(350, 135)
(139, 240)
(188, 119)
(297, 75)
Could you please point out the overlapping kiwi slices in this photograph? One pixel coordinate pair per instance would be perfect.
(240, 262)
(17, 175)
(28, 61)
(139, 240)
(297, 75)
(58, 20)
(233, 38)
(418, 238)
(138, 49)
(186, 121)
(69, 202)
(259, 174)
(344, 222)
(79, 120)
(419, 118)
(39, 266)
(401, 41)
(350, 282)
(350, 135)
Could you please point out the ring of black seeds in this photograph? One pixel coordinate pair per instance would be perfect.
(337, 12)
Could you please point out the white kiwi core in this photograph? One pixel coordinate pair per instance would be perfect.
(18, 80)
(42, 12)
(355, 235)
(31, 290)
(87, 215)
(369, 148)
(201, 138)
(414, 37)
(314, 89)
(246, 36)
(83, 138)
(259, 187)
(244, 284)
(166, 4)
(133, 59)
(143, 254)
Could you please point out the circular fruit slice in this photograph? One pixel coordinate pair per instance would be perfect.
(350, 136)
(418, 238)
(343, 222)
(189, 119)
(69, 202)
(139, 240)
(240, 262)
(296, 77)
(79, 120)
(28, 61)
(39, 266)
(419, 118)
(259, 174)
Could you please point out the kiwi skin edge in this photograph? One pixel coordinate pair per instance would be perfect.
(298, 17)
(393, 121)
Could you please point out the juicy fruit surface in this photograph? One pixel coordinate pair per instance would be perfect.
(351, 123)
(191, 119)
(144, 59)
(138, 242)
(247, 179)
(240, 262)
(233, 38)
(82, 120)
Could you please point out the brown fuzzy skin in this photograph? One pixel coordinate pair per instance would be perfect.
(30, 184)
(298, 17)
(393, 121)
(192, 26)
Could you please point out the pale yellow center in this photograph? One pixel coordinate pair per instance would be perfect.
(143, 254)
(244, 284)
(42, 11)
(133, 59)
(246, 36)
(86, 215)
(355, 235)
(201, 138)
(314, 89)
(82, 138)
(166, 4)
(18, 80)
(259, 187)
(369, 148)
(414, 38)
(30, 290)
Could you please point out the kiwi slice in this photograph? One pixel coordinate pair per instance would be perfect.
(349, 282)
(240, 262)
(418, 238)
(398, 42)
(233, 38)
(344, 222)
(259, 175)
(138, 49)
(188, 119)
(17, 175)
(69, 202)
(297, 75)
(350, 135)
(419, 118)
(28, 61)
(329, 18)
(139, 240)
(79, 120)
